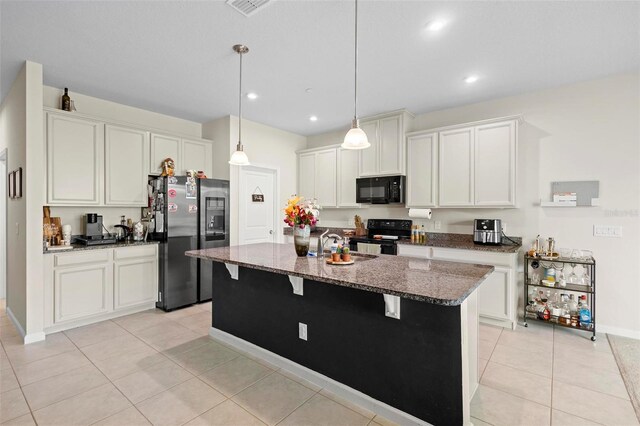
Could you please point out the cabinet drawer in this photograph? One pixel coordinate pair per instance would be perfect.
(472, 256)
(80, 258)
(133, 252)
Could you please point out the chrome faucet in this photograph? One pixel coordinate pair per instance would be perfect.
(321, 241)
(324, 240)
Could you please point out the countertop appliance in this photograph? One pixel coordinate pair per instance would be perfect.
(389, 231)
(487, 231)
(92, 226)
(188, 214)
(380, 190)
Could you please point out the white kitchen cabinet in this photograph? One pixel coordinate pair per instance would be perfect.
(75, 158)
(498, 293)
(307, 174)
(135, 276)
(126, 161)
(346, 178)
(88, 286)
(455, 168)
(326, 177)
(386, 134)
(422, 170)
(197, 155)
(495, 164)
(162, 147)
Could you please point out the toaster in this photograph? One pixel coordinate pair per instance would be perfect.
(487, 231)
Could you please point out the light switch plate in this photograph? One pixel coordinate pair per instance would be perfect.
(607, 231)
(302, 331)
(437, 225)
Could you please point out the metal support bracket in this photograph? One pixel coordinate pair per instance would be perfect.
(392, 306)
(296, 282)
(233, 270)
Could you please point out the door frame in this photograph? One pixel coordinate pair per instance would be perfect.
(4, 207)
(276, 199)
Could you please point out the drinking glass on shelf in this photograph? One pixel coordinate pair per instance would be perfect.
(573, 278)
(560, 278)
(586, 255)
(584, 278)
(564, 252)
(576, 254)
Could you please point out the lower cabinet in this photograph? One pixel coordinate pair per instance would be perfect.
(92, 285)
(498, 294)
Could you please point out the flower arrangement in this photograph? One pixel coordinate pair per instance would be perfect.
(301, 212)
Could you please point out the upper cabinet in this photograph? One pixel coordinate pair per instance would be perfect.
(75, 158)
(422, 170)
(386, 134)
(495, 164)
(329, 175)
(163, 147)
(187, 154)
(126, 159)
(468, 165)
(456, 168)
(92, 162)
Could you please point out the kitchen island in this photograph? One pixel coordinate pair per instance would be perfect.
(397, 335)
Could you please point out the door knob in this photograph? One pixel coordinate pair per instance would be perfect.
(271, 231)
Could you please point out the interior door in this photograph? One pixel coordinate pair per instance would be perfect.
(256, 205)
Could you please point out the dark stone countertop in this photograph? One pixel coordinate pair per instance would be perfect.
(465, 242)
(82, 247)
(438, 282)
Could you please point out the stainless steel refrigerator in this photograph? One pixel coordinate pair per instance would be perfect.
(188, 215)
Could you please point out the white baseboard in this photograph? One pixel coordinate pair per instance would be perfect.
(100, 317)
(34, 337)
(325, 382)
(15, 322)
(624, 332)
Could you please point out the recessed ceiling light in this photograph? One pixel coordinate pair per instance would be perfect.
(313, 118)
(309, 90)
(252, 96)
(436, 25)
(471, 79)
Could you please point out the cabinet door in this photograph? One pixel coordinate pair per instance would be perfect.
(455, 170)
(135, 282)
(391, 146)
(81, 292)
(197, 155)
(422, 169)
(347, 175)
(164, 147)
(369, 164)
(495, 164)
(75, 149)
(326, 172)
(495, 295)
(126, 160)
(307, 175)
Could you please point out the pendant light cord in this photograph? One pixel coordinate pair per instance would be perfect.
(240, 107)
(355, 103)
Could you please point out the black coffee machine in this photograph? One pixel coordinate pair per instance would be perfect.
(93, 227)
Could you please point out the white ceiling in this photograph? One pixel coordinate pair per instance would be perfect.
(175, 57)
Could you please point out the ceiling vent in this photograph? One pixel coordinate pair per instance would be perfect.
(248, 7)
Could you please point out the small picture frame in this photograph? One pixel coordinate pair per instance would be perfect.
(18, 183)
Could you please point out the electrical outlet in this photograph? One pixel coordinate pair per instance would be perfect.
(437, 225)
(302, 331)
(17, 228)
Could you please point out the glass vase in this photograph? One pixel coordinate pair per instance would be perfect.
(301, 238)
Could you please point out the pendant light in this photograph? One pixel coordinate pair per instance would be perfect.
(239, 158)
(356, 138)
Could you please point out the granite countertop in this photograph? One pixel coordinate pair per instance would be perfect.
(465, 242)
(438, 282)
(82, 247)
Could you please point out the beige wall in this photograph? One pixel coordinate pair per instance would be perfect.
(585, 131)
(219, 132)
(21, 133)
(137, 117)
(266, 147)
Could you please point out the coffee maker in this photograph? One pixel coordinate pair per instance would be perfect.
(92, 225)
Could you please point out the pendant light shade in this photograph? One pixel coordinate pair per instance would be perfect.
(356, 138)
(239, 158)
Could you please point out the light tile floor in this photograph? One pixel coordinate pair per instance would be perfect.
(162, 368)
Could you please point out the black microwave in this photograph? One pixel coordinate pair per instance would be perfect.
(380, 190)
